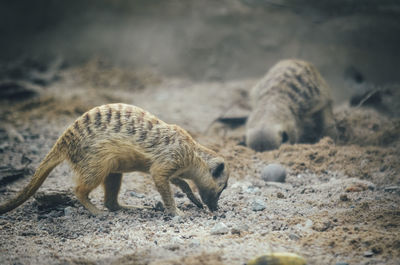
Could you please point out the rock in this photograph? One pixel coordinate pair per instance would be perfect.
(172, 247)
(258, 205)
(368, 254)
(237, 230)
(341, 263)
(135, 194)
(252, 189)
(280, 195)
(294, 237)
(68, 211)
(219, 229)
(177, 219)
(344, 198)
(274, 172)
(159, 206)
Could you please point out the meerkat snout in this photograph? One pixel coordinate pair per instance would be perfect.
(220, 175)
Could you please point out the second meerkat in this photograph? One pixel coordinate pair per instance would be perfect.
(112, 139)
(291, 104)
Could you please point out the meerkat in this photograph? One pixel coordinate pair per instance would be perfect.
(112, 139)
(291, 104)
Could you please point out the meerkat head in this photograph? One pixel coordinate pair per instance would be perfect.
(215, 181)
(270, 136)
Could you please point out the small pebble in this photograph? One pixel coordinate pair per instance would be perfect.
(294, 237)
(219, 229)
(309, 223)
(135, 194)
(258, 205)
(344, 198)
(68, 211)
(341, 263)
(177, 219)
(280, 195)
(274, 172)
(368, 254)
(159, 206)
(237, 230)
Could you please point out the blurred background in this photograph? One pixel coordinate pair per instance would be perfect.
(354, 43)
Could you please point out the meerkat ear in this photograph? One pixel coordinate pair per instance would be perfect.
(216, 172)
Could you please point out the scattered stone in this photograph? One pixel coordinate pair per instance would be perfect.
(252, 189)
(135, 194)
(280, 195)
(258, 205)
(274, 172)
(294, 237)
(360, 186)
(237, 230)
(322, 227)
(377, 249)
(68, 211)
(159, 206)
(177, 219)
(219, 229)
(179, 194)
(344, 198)
(309, 223)
(368, 254)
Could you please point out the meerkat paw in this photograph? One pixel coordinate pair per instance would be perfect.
(97, 212)
(134, 207)
(174, 212)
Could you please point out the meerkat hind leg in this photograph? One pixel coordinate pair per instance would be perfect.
(82, 193)
(112, 185)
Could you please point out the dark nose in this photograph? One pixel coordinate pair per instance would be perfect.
(285, 137)
(213, 207)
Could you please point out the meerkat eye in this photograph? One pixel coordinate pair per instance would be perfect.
(218, 170)
(285, 137)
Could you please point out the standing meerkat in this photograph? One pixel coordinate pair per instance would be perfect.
(112, 139)
(291, 104)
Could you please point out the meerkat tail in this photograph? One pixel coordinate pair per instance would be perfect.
(52, 159)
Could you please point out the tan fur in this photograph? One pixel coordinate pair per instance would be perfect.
(292, 104)
(110, 140)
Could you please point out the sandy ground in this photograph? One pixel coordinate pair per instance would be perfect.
(340, 202)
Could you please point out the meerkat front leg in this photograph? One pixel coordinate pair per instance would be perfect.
(161, 180)
(112, 185)
(187, 190)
